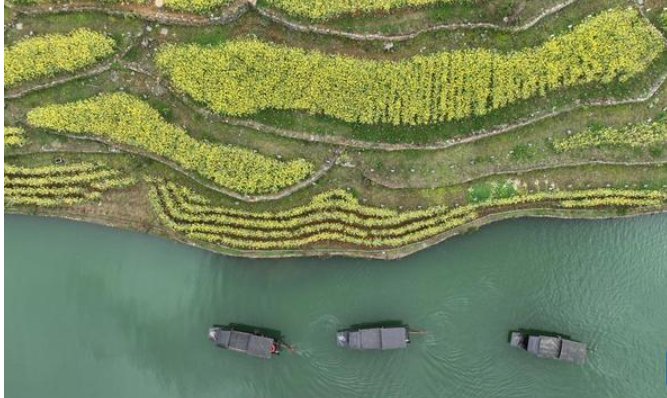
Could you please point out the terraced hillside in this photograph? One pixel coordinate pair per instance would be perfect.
(372, 128)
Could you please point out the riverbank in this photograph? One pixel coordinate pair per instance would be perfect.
(385, 254)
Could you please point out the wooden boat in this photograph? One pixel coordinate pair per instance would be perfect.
(549, 345)
(381, 336)
(251, 341)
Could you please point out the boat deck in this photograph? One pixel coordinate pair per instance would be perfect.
(377, 338)
(247, 343)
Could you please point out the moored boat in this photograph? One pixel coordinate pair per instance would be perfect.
(252, 342)
(549, 345)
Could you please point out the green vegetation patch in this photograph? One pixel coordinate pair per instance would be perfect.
(60, 184)
(313, 9)
(14, 136)
(180, 5)
(484, 191)
(47, 55)
(322, 9)
(125, 119)
(635, 136)
(242, 77)
(338, 217)
(30, 2)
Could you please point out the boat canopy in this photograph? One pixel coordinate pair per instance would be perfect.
(253, 345)
(573, 351)
(544, 346)
(552, 347)
(374, 338)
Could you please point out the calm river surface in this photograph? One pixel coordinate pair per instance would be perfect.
(96, 312)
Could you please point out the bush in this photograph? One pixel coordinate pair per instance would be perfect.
(484, 191)
(479, 193)
(47, 55)
(124, 119)
(521, 152)
(242, 77)
(656, 151)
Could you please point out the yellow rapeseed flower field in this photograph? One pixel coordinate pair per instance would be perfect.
(125, 119)
(47, 55)
(242, 77)
(321, 9)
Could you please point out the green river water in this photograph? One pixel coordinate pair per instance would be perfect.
(96, 312)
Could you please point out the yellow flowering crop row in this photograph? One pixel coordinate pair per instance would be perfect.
(14, 136)
(337, 216)
(321, 9)
(638, 135)
(195, 5)
(242, 77)
(125, 119)
(60, 185)
(47, 55)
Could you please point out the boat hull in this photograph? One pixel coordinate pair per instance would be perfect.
(253, 343)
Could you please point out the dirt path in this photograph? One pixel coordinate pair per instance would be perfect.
(241, 7)
(275, 17)
(324, 168)
(515, 172)
(148, 13)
